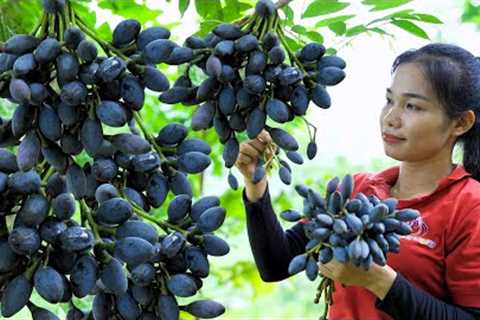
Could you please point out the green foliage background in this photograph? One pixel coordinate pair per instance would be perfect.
(234, 280)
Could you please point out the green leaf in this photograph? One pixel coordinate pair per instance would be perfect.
(321, 7)
(183, 6)
(233, 10)
(299, 29)
(381, 31)
(104, 31)
(471, 13)
(331, 51)
(326, 22)
(356, 30)
(410, 15)
(398, 14)
(384, 4)
(292, 44)
(207, 26)
(338, 27)
(88, 16)
(315, 36)
(288, 14)
(428, 18)
(411, 27)
(131, 10)
(209, 9)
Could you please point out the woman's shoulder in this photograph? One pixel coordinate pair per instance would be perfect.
(468, 193)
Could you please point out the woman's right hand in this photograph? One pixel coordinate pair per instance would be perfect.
(250, 153)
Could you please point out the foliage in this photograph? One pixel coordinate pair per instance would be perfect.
(237, 274)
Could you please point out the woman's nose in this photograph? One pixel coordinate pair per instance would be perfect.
(392, 118)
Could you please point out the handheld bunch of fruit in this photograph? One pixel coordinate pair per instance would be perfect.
(360, 230)
(76, 229)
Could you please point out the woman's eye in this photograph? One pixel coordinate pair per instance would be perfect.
(412, 107)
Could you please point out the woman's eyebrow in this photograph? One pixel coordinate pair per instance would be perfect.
(411, 95)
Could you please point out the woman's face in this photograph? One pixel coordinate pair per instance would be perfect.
(413, 124)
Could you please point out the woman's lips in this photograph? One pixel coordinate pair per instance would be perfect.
(391, 138)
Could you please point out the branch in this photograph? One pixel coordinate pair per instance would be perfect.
(282, 3)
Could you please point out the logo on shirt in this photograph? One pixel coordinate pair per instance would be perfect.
(419, 231)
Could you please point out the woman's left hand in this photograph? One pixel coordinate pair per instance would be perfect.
(377, 279)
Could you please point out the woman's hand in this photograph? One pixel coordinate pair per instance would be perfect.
(250, 152)
(377, 279)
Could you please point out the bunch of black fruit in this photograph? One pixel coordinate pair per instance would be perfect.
(360, 230)
(72, 228)
(252, 81)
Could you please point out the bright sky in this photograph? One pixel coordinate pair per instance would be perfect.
(350, 127)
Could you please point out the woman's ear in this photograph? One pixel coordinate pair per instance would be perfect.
(464, 123)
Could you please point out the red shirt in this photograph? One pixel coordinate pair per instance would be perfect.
(441, 256)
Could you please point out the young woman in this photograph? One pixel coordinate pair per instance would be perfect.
(432, 103)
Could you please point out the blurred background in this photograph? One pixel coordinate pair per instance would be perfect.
(348, 138)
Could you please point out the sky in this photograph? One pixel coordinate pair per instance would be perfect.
(350, 127)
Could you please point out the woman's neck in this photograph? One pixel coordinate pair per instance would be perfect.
(417, 178)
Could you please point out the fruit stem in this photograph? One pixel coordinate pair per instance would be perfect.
(263, 29)
(282, 3)
(161, 223)
(104, 44)
(61, 27)
(256, 25)
(148, 136)
(191, 63)
(31, 269)
(51, 25)
(51, 170)
(292, 56)
(85, 211)
(40, 22)
(66, 14)
(246, 24)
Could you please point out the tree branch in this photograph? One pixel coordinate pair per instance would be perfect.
(282, 3)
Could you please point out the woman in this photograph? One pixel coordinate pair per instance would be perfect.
(432, 104)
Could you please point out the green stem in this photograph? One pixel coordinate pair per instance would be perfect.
(51, 170)
(92, 35)
(265, 23)
(107, 47)
(47, 255)
(247, 24)
(61, 27)
(38, 25)
(318, 247)
(192, 63)
(51, 25)
(85, 211)
(291, 55)
(31, 269)
(282, 3)
(256, 25)
(148, 136)
(66, 14)
(161, 223)
(6, 75)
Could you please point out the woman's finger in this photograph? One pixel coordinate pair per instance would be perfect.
(244, 159)
(259, 146)
(264, 137)
(249, 150)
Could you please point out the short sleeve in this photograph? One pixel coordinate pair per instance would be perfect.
(463, 260)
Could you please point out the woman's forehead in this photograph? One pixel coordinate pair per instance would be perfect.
(409, 78)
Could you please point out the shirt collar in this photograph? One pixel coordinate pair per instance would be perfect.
(382, 182)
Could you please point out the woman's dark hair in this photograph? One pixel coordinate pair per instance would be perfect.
(454, 74)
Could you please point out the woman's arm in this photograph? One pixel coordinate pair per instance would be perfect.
(404, 301)
(272, 247)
